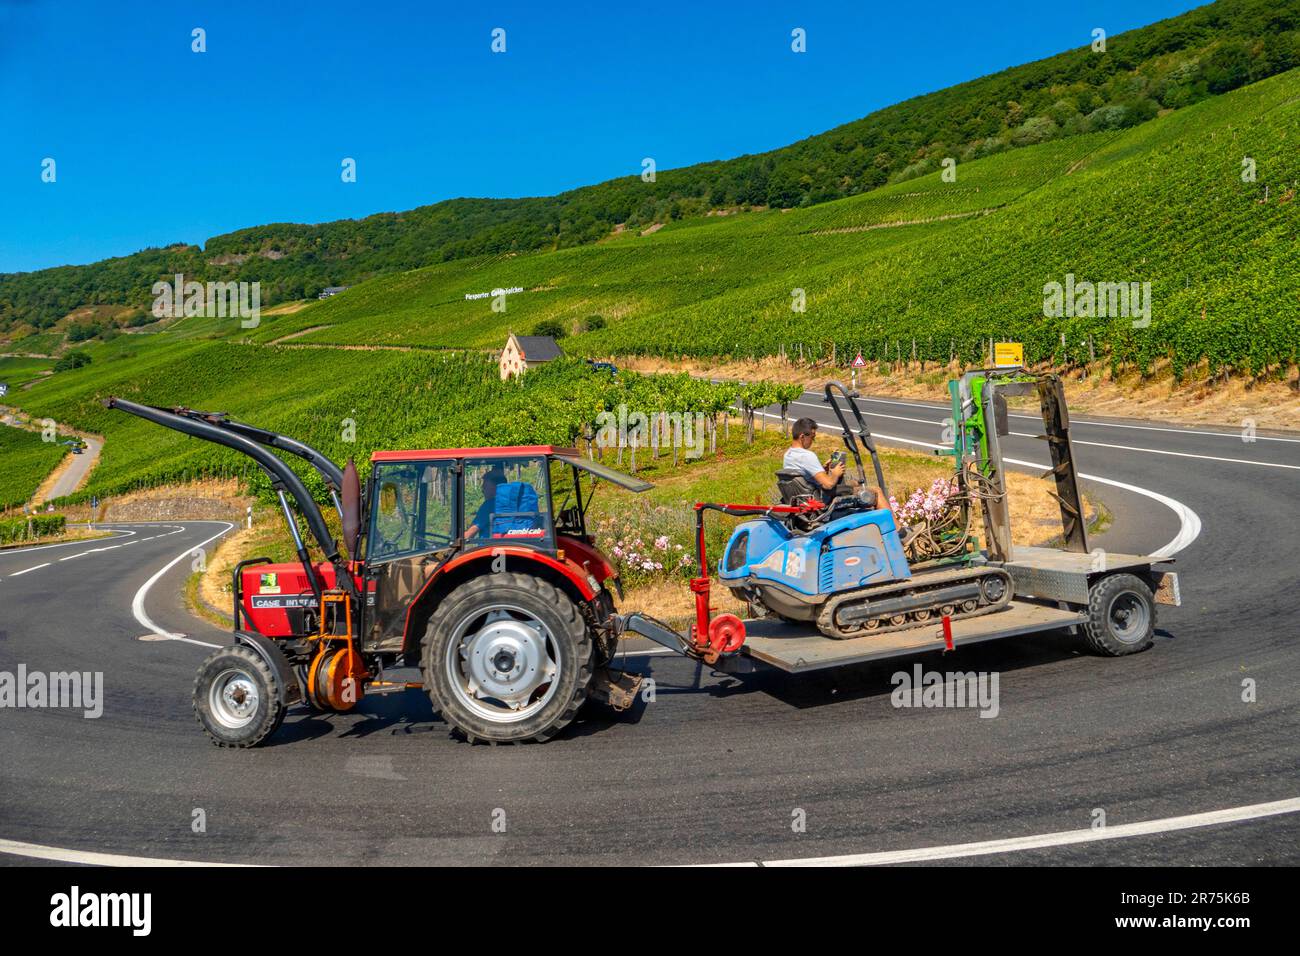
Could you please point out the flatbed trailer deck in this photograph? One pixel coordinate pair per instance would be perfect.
(799, 648)
(1051, 592)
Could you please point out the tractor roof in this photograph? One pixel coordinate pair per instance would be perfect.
(511, 451)
(571, 456)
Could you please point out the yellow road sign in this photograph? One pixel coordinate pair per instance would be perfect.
(1008, 354)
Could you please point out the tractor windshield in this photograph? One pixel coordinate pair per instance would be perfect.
(507, 499)
(414, 509)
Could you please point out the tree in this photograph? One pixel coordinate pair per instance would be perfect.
(71, 361)
(552, 327)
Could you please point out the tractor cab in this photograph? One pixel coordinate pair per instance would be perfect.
(448, 514)
(424, 502)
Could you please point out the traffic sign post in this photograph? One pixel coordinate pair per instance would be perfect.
(858, 362)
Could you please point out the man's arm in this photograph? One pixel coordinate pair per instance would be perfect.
(808, 462)
(828, 481)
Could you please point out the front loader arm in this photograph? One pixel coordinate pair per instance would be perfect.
(330, 473)
(283, 480)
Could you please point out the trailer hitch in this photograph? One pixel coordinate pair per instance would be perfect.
(720, 638)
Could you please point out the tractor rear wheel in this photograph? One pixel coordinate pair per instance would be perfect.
(237, 697)
(1121, 616)
(507, 659)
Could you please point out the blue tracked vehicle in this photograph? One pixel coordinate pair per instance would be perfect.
(845, 566)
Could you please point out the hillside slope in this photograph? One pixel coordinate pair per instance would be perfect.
(1167, 65)
(946, 263)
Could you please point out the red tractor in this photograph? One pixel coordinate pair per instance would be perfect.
(481, 584)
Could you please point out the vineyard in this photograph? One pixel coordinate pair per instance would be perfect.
(1200, 204)
(25, 460)
(350, 403)
(923, 267)
(18, 371)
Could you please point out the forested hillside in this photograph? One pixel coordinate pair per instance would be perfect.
(1164, 66)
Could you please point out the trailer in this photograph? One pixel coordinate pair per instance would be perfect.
(1107, 599)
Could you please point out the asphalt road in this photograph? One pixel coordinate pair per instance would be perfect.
(716, 769)
(77, 469)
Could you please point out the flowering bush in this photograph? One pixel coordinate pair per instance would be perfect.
(925, 504)
(651, 543)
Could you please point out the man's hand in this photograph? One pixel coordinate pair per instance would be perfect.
(837, 470)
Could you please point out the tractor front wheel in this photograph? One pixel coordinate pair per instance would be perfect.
(507, 658)
(237, 697)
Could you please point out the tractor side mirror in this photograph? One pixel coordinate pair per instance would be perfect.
(1000, 415)
(351, 509)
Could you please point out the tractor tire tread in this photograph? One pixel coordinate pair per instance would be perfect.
(276, 709)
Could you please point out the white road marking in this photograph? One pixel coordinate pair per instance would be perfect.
(1078, 421)
(901, 418)
(652, 653)
(1178, 454)
(65, 544)
(1257, 811)
(1121, 831)
(39, 852)
(1077, 441)
(18, 574)
(1189, 523)
(137, 603)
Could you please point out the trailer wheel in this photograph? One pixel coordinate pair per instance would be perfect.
(507, 658)
(237, 697)
(1121, 616)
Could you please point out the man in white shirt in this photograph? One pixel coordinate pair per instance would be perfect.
(801, 456)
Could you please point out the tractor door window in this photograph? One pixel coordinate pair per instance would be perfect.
(439, 481)
(414, 510)
(507, 500)
(566, 498)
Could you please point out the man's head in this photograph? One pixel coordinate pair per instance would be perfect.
(491, 481)
(803, 432)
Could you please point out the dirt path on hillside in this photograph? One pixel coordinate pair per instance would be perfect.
(299, 334)
(904, 222)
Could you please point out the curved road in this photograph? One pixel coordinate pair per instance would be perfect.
(716, 769)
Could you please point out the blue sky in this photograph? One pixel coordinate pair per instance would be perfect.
(154, 143)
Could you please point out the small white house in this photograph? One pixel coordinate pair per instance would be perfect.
(523, 352)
